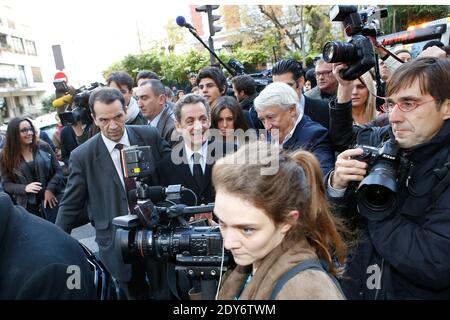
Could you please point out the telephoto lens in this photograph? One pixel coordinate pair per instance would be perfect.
(335, 51)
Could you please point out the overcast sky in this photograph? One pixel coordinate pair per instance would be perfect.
(95, 33)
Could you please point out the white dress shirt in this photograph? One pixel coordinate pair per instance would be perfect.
(203, 152)
(115, 153)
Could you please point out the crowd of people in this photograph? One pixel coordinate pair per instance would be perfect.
(295, 232)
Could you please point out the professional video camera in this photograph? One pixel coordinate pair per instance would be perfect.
(160, 230)
(376, 194)
(358, 53)
(77, 103)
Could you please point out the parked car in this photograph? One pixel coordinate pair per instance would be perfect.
(46, 123)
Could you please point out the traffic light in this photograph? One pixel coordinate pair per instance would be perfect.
(211, 17)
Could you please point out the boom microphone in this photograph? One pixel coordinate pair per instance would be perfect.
(181, 21)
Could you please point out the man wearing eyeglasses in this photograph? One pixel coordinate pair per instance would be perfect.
(405, 255)
(326, 82)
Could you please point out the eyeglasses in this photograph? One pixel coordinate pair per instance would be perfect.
(26, 130)
(323, 73)
(405, 106)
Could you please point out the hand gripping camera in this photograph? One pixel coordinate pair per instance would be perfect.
(376, 194)
(358, 53)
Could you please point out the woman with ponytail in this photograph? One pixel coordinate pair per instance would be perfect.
(275, 219)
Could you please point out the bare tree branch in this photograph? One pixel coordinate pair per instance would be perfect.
(280, 28)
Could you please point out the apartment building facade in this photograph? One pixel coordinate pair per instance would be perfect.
(21, 81)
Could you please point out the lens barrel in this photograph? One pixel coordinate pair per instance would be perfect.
(335, 51)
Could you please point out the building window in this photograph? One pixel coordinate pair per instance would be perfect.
(30, 48)
(37, 75)
(18, 44)
(22, 77)
(8, 75)
(3, 41)
(30, 100)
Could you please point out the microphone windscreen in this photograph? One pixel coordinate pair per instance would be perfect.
(181, 21)
(61, 101)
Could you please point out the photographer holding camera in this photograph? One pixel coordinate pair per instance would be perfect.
(402, 206)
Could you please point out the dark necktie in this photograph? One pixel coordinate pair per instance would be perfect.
(130, 184)
(197, 170)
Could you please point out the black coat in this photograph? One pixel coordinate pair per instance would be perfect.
(251, 116)
(317, 110)
(48, 173)
(342, 130)
(68, 143)
(35, 257)
(410, 248)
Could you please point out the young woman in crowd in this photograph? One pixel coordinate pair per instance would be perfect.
(227, 116)
(30, 172)
(179, 95)
(364, 103)
(274, 216)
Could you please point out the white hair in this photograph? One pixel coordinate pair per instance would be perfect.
(276, 94)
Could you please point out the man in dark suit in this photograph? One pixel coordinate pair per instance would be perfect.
(152, 102)
(291, 72)
(192, 159)
(38, 261)
(96, 180)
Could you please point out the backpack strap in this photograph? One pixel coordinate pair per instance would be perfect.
(302, 266)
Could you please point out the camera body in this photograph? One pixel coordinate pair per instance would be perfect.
(138, 161)
(358, 53)
(376, 194)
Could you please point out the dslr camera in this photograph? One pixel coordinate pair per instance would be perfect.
(358, 53)
(376, 194)
(78, 103)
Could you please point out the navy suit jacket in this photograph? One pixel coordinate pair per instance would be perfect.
(311, 136)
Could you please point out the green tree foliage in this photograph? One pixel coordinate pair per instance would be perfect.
(320, 33)
(47, 106)
(173, 69)
(400, 17)
(174, 35)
